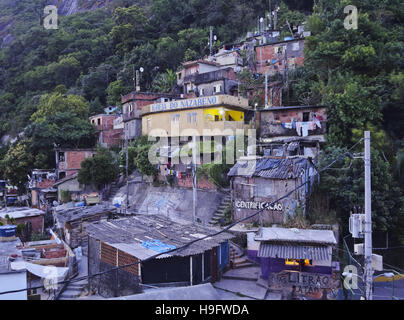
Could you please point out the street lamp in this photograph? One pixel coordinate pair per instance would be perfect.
(386, 274)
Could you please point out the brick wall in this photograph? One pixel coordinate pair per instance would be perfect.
(186, 181)
(45, 184)
(36, 222)
(116, 282)
(74, 158)
(110, 137)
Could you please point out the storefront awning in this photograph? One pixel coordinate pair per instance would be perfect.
(270, 250)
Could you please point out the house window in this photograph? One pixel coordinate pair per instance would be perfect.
(297, 262)
(217, 88)
(175, 118)
(191, 117)
(62, 175)
(98, 121)
(61, 157)
(148, 123)
(202, 92)
(306, 116)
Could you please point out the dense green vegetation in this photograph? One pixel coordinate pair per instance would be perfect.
(358, 75)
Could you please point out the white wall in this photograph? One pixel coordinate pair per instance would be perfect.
(13, 281)
(251, 243)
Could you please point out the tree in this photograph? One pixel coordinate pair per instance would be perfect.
(165, 82)
(115, 91)
(142, 161)
(50, 104)
(17, 165)
(343, 187)
(99, 170)
(130, 29)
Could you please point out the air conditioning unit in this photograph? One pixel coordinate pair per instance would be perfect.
(356, 225)
(359, 249)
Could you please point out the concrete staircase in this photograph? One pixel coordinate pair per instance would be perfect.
(114, 191)
(237, 256)
(73, 290)
(219, 214)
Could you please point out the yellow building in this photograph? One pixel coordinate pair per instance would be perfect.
(202, 116)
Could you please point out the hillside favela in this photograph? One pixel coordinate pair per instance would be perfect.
(220, 151)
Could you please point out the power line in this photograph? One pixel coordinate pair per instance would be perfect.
(196, 240)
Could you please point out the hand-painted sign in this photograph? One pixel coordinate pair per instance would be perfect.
(183, 104)
(256, 205)
(301, 279)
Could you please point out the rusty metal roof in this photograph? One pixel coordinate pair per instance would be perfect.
(134, 231)
(285, 168)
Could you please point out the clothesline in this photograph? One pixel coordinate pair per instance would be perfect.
(301, 127)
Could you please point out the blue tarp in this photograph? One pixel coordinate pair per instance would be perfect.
(157, 245)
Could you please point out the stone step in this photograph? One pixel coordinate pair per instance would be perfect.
(240, 261)
(244, 265)
(262, 283)
(70, 293)
(218, 215)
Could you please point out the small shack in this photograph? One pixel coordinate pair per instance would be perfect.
(299, 259)
(72, 221)
(23, 215)
(258, 181)
(115, 243)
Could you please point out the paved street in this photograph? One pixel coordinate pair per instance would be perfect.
(383, 291)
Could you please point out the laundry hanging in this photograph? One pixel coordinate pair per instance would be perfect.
(298, 128)
(305, 128)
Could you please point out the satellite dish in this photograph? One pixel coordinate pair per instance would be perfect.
(141, 69)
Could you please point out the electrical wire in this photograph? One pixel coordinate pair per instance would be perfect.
(196, 240)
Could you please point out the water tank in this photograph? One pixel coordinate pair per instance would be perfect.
(7, 231)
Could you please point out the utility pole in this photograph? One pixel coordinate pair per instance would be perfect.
(210, 40)
(368, 276)
(194, 178)
(127, 169)
(266, 89)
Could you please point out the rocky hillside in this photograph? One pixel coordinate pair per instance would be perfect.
(68, 7)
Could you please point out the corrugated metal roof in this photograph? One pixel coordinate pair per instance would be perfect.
(302, 236)
(129, 234)
(269, 250)
(286, 168)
